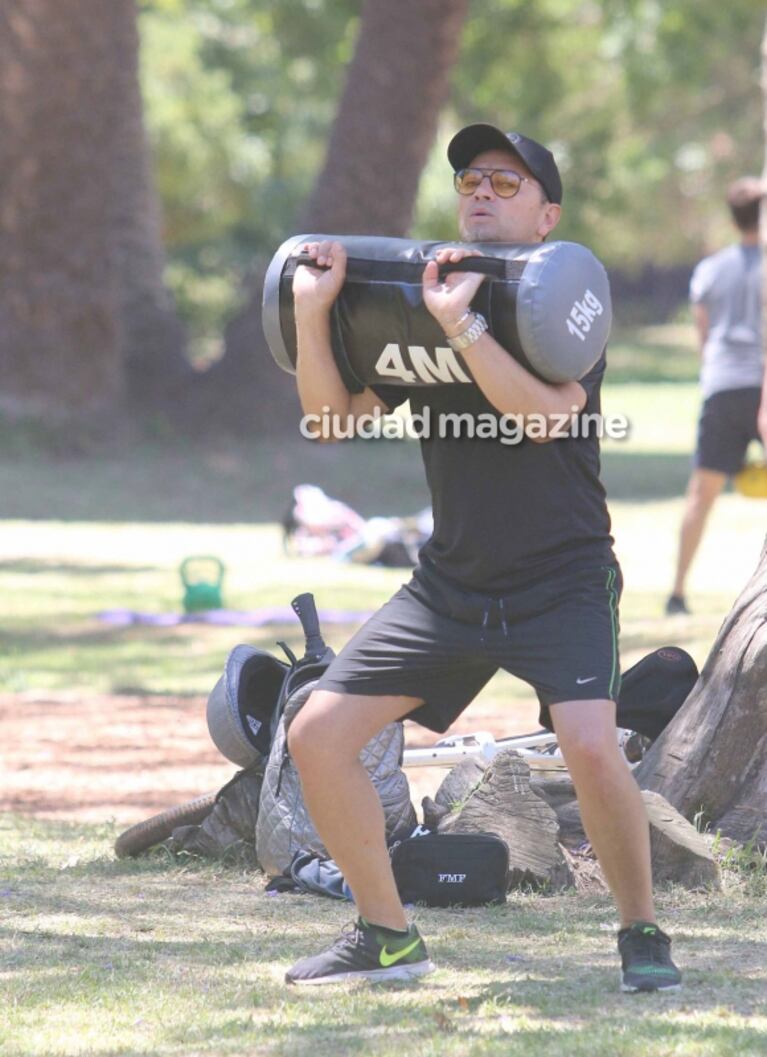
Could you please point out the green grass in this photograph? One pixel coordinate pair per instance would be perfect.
(159, 957)
(89, 532)
(56, 577)
(74, 543)
(654, 354)
(245, 483)
(50, 636)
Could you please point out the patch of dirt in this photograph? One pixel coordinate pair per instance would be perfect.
(123, 757)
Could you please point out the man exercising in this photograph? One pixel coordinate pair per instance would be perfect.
(726, 297)
(519, 574)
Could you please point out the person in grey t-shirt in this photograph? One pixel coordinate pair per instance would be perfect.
(726, 297)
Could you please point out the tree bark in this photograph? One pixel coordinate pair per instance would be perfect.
(385, 126)
(712, 758)
(505, 804)
(59, 323)
(153, 337)
(397, 84)
(82, 305)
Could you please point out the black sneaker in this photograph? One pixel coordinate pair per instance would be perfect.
(646, 956)
(365, 952)
(676, 604)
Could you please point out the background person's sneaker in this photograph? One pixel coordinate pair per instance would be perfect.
(646, 959)
(365, 952)
(676, 604)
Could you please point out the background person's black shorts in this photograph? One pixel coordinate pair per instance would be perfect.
(726, 427)
(442, 644)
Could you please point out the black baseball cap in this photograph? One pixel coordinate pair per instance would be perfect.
(474, 139)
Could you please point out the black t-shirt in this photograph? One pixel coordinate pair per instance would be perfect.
(507, 513)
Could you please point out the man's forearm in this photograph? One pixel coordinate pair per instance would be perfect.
(511, 389)
(319, 382)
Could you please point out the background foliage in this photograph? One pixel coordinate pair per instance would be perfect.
(650, 106)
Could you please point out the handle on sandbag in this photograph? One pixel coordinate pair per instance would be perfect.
(306, 611)
(493, 266)
(496, 267)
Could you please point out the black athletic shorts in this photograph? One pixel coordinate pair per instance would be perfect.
(726, 427)
(438, 642)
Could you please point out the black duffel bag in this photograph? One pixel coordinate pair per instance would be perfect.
(548, 304)
(451, 869)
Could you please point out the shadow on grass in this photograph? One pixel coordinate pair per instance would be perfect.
(30, 567)
(375, 479)
(142, 647)
(235, 482)
(36, 639)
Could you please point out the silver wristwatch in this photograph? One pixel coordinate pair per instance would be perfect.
(470, 335)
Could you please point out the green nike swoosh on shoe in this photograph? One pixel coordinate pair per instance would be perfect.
(386, 959)
(362, 952)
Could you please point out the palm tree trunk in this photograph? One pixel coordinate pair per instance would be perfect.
(385, 126)
(83, 310)
(153, 337)
(59, 319)
(397, 84)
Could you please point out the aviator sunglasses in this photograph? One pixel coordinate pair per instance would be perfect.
(505, 182)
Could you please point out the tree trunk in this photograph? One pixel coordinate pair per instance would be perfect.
(153, 337)
(59, 322)
(82, 306)
(387, 120)
(712, 758)
(379, 144)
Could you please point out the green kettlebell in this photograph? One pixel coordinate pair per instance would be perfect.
(202, 576)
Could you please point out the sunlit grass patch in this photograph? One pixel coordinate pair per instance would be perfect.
(163, 957)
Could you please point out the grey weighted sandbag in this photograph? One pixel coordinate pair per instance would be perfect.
(547, 303)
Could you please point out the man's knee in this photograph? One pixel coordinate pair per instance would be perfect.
(333, 728)
(311, 733)
(587, 737)
(589, 755)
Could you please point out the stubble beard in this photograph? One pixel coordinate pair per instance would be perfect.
(481, 233)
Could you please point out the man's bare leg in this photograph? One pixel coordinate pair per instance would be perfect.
(325, 740)
(611, 806)
(702, 491)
